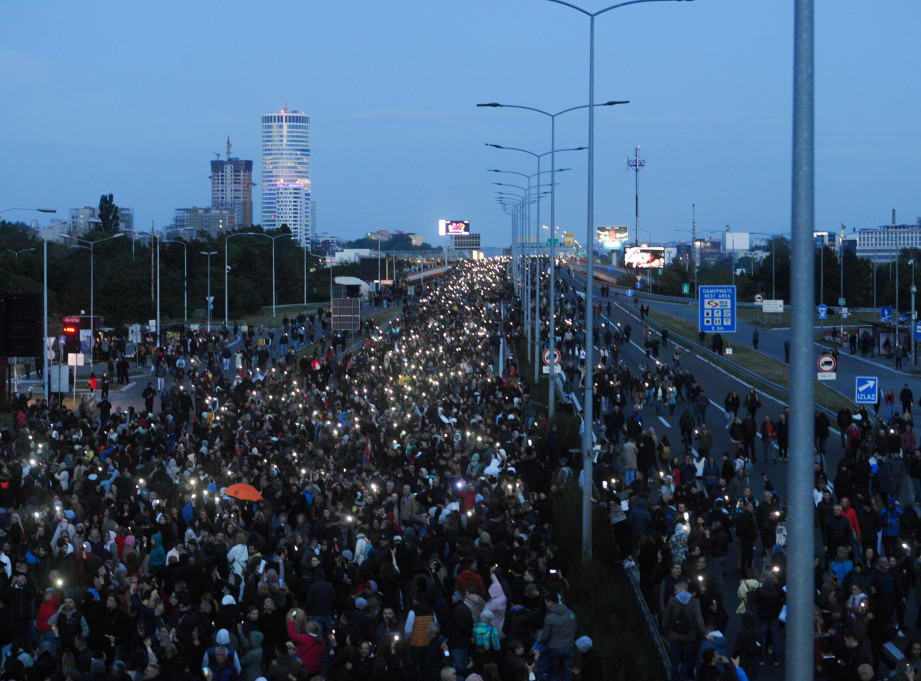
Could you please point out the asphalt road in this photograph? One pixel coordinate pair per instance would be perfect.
(717, 384)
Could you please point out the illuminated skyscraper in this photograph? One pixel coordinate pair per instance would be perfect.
(286, 172)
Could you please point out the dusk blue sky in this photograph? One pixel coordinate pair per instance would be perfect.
(135, 98)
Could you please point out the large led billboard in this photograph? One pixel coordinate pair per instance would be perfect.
(449, 227)
(618, 233)
(646, 257)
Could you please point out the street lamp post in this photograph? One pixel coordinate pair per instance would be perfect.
(208, 298)
(553, 171)
(90, 246)
(16, 253)
(537, 316)
(227, 266)
(590, 277)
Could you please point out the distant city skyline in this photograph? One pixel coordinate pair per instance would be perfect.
(397, 139)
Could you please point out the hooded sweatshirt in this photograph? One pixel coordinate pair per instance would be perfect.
(497, 604)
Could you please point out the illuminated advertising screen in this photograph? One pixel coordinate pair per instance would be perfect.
(449, 227)
(645, 257)
(618, 233)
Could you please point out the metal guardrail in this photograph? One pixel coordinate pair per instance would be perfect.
(652, 624)
(758, 382)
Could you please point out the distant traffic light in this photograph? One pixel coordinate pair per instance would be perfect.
(71, 334)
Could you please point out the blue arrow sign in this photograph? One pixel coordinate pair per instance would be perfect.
(866, 390)
(885, 313)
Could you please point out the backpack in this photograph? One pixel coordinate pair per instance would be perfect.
(681, 625)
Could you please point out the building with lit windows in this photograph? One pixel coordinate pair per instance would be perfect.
(232, 188)
(883, 244)
(285, 178)
(189, 223)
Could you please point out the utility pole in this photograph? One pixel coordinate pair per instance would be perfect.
(694, 245)
(637, 164)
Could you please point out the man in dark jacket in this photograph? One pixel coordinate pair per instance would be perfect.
(837, 531)
(768, 602)
(682, 625)
(559, 635)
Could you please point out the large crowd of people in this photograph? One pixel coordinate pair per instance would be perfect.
(380, 512)
(382, 507)
(707, 535)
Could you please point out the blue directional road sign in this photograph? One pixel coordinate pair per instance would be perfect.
(917, 327)
(866, 390)
(717, 309)
(822, 311)
(885, 313)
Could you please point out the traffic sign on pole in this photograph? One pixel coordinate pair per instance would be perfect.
(866, 390)
(717, 309)
(885, 313)
(822, 311)
(545, 356)
(917, 328)
(827, 362)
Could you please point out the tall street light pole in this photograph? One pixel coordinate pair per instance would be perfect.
(90, 246)
(590, 277)
(208, 298)
(553, 171)
(801, 551)
(538, 157)
(227, 266)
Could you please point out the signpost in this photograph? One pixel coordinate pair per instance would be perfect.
(545, 356)
(866, 390)
(827, 365)
(885, 314)
(717, 309)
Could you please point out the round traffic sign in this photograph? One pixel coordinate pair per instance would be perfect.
(827, 363)
(545, 356)
(759, 298)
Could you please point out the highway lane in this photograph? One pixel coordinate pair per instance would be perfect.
(717, 384)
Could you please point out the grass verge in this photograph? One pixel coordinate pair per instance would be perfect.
(601, 597)
(766, 367)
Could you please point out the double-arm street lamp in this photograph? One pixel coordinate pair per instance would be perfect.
(590, 271)
(90, 246)
(553, 171)
(227, 266)
(552, 153)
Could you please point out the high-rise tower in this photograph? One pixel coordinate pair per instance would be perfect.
(286, 172)
(232, 188)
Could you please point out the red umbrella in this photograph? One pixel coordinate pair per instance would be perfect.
(243, 492)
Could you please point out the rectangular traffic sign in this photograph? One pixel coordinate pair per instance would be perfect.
(885, 313)
(717, 309)
(822, 312)
(866, 390)
(917, 327)
(826, 376)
